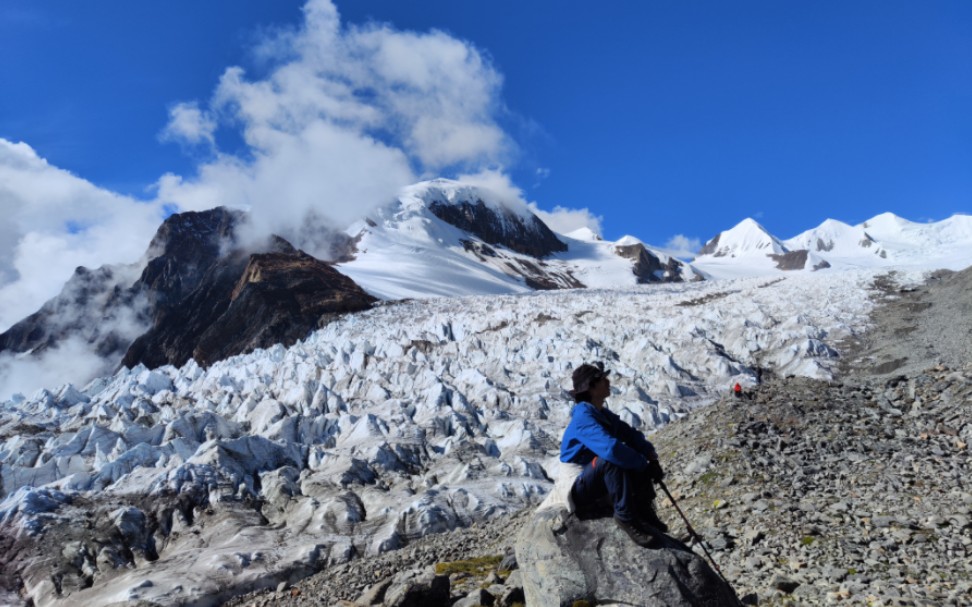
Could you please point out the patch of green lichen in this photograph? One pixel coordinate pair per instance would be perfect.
(478, 566)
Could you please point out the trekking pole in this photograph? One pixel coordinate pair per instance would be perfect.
(698, 540)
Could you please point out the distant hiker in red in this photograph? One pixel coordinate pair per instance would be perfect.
(737, 390)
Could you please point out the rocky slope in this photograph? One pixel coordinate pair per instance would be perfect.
(499, 226)
(916, 326)
(96, 306)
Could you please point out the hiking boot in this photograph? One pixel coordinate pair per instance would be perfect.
(640, 536)
(650, 518)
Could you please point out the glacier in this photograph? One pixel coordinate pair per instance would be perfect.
(414, 417)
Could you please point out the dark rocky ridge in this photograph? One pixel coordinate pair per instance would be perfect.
(94, 305)
(183, 251)
(536, 273)
(199, 296)
(530, 236)
(712, 247)
(500, 227)
(193, 269)
(215, 300)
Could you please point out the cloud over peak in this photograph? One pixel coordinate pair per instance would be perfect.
(344, 117)
(54, 222)
(189, 124)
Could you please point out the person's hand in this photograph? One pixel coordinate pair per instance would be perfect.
(655, 471)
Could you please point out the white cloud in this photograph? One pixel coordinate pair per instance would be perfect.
(682, 246)
(54, 222)
(345, 117)
(72, 361)
(564, 220)
(500, 186)
(190, 124)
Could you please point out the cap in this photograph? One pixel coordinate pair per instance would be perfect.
(586, 375)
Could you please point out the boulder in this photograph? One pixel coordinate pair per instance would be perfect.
(563, 559)
(418, 588)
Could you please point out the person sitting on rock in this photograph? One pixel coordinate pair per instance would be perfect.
(619, 462)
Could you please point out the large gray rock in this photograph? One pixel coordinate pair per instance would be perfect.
(563, 559)
(418, 588)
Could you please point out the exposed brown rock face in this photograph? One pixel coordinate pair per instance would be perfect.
(178, 323)
(214, 303)
(183, 251)
(279, 298)
(500, 227)
(649, 268)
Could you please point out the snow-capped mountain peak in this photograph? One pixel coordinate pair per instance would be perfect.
(887, 222)
(450, 191)
(745, 238)
(627, 241)
(445, 237)
(940, 244)
(837, 239)
(584, 233)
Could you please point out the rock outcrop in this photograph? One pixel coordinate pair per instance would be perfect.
(248, 302)
(536, 273)
(498, 226)
(797, 260)
(564, 560)
(278, 299)
(649, 268)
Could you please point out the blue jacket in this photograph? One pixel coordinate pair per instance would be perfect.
(602, 433)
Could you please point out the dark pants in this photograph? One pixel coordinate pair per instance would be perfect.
(603, 489)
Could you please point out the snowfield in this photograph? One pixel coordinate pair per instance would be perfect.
(412, 418)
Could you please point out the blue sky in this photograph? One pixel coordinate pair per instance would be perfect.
(662, 118)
